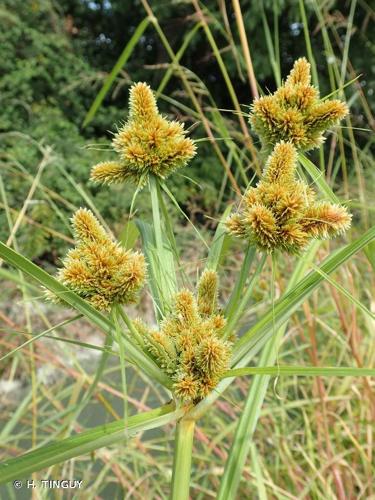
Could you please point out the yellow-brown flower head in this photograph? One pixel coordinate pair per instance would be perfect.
(147, 143)
(99, 269)
(282, 212)
(295, 112)
(189, 345)
(207, 293)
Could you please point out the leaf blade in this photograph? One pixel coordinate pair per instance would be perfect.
(94, 316)
(302, 371)
(84, 442)
(126, 53)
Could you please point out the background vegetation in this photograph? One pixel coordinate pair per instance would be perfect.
(314, 439)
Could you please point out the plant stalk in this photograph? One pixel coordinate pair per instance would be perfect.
(241, 304)
(156, 213)
(240, 282)
(165, 275)
(245, 48)
(182, 459)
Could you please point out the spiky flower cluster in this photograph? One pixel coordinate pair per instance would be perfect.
(147, 143)
(282, 212)
(189, 345)
(98, 269)
(295, 112)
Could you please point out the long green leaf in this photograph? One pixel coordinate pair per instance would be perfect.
(255, 338)
(318, 177)
(161, 271)
(240, 283)
(84, 400)
(39, 336)
(175, 203)
(176, 59)
(163, 257)
(262, 493)
(94, 316)
(219, 244)
(85, 442)
(288, 303)
(357, 303)
(126, 53)
(303, 371)
(246, 425)
(233, 319)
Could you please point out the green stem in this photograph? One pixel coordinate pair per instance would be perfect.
(132, 330)
(120, 343)
(156, 214)
(308, 43)
(240, 282)
(140, 345)
(235, 317)
(318, 178)
(163, 257)
(182, 459)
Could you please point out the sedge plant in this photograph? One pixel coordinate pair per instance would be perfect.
(193, 349)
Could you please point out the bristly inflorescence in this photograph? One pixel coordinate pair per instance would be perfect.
(189, 346)
(295, 112)
(282, 212)
(147, 143)
(99, 269)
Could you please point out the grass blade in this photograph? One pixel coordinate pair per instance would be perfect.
(40, 335)
(303, 371)
(240, 306)
(258, 473)
(250, 414)
(255, 338)
(240, 283)
(94, 316)
(126, 53)
(219, 244)
(318, 178)
(287, 304)
(85, 442)
(346, 293)
(121, 347)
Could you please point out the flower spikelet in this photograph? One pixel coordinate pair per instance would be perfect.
(98, 269)
(189, 344)
(110, 172)
(146, 144)
(185, 306)
(207, 293)
(213, 356)
(262, 224)
(300, 74)
(295, 112)
(281, 165)
(325, 220)
(282, 212)
(186, 387)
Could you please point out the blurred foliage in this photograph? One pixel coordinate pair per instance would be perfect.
(56, 56)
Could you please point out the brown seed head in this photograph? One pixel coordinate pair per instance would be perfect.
(147, 143)
(282, 212)
(295, 112)
(207, 293)
(188, 345)
(98, 269)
